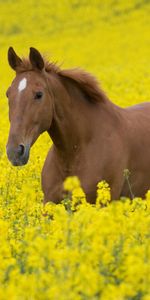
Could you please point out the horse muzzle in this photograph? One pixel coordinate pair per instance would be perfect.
(18, 156)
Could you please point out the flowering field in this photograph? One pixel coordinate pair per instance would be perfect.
(74, 250)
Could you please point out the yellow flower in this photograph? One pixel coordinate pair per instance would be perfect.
(78, 197)
(71, 183)
(103, 193)
(74, 250)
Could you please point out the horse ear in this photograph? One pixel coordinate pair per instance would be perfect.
(13, 59)
(36, 59)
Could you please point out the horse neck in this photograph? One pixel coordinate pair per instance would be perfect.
(70, 128)
(76, 117)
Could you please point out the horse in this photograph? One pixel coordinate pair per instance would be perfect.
(93, 138)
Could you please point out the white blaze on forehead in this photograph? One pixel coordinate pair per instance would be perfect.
(22, 84)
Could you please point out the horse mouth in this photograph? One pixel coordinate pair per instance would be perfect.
(19, 156)
(19, 162)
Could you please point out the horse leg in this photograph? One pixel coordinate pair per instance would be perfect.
(52, 180)
(53, 194)
(117, 187)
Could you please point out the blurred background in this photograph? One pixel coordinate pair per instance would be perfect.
(109, 38)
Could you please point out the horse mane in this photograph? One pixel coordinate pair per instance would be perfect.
(84, 80)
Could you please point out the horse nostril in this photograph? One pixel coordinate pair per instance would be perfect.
(20, 150)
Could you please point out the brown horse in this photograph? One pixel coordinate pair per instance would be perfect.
(92, 137)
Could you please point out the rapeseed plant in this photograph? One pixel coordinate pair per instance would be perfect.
(74, 250)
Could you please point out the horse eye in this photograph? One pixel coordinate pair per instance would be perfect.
(38, 95)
